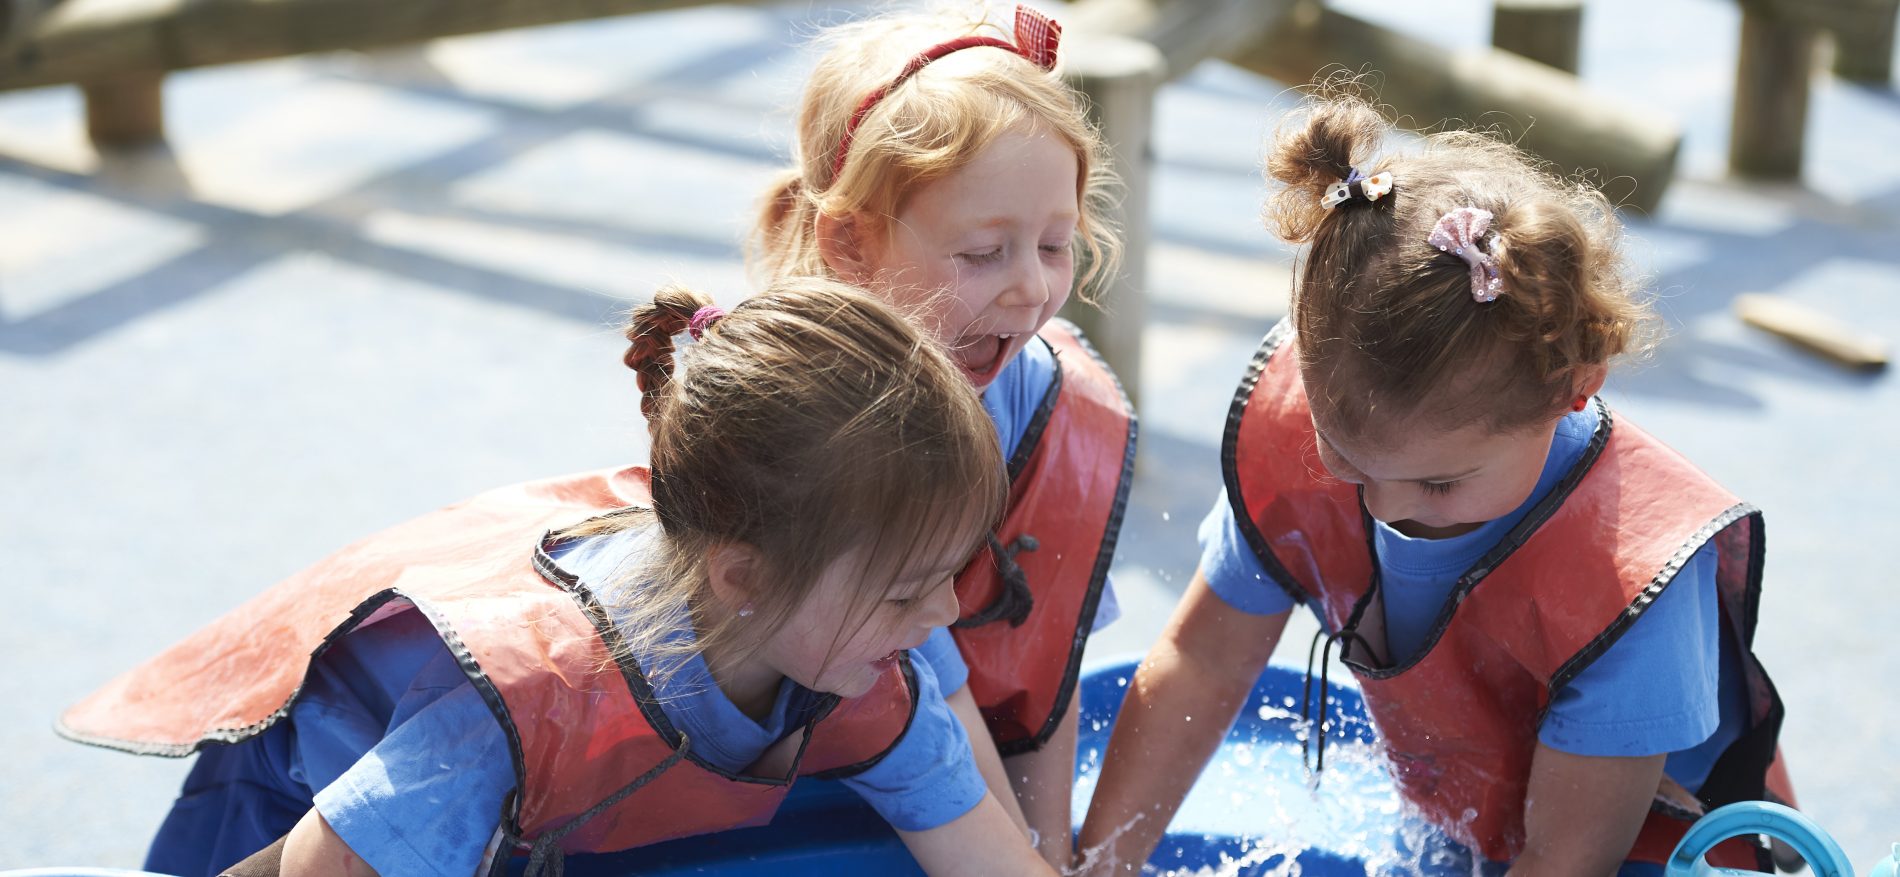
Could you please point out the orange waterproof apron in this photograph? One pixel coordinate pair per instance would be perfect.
(1460, 719)
(1029, 600)
(597, 765)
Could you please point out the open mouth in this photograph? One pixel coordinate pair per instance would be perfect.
(982, 357)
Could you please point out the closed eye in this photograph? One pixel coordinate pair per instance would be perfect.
(1439, 488)
(990, 255)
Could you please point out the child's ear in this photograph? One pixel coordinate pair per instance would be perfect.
(843, 245)
(1588, 380)
(732, 569)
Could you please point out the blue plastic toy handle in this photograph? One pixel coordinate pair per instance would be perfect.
(1889, 866)
(1823, 855)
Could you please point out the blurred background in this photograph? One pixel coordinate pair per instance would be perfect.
(257, 302)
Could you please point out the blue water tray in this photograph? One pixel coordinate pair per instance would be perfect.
(1253, 812)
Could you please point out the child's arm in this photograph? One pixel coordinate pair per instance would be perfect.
(1583, 812)
(1178, 708)
(1045, 783)
(980, 843)
(314, 849)
(988, 760)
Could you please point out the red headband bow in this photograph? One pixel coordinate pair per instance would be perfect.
(1036, 40)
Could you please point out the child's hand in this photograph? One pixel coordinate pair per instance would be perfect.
(1098, 861)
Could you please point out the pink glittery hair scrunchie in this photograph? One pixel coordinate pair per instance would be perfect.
(1458, 233)
(703, 320)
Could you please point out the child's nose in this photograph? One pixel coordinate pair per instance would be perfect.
(942, 608)
(1028, 287)
(1384, 503)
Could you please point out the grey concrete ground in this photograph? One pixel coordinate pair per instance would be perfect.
(356, 287)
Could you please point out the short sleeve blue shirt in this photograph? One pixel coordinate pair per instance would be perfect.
(1654, 691)
(412, 768)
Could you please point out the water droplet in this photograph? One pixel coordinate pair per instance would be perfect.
(1122, 682)
(1188, 718)
(1164, 516)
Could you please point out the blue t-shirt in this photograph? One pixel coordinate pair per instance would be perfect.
(1012, 400)
(1671, 684)
(412, 769)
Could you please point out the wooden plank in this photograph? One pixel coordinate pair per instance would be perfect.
(91, 40)
(1630, 150)
(1813, 331)
(1186, 32)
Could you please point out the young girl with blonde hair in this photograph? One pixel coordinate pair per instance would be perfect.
(943, 164)
(604, 661)
(1549, 611)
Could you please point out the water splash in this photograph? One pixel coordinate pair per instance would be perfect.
(1256, 810)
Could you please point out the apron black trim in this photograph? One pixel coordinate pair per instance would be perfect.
(1045, 409)
(1496, 556)
(1645, 598)
(1014, 602)
(491, 696)
(1275, 338)
(364, 609)
(465, 660)
(1105, 554)
(910, 683)
(637, 683)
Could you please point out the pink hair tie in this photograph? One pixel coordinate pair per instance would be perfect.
(1458, 233)
(703, 320)
(1036, 40)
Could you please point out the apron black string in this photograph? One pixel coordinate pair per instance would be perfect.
(545, 858)
(1313, 751)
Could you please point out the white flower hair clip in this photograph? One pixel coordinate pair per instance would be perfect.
(1357, 187)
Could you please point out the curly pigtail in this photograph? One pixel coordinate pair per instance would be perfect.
(650, 334)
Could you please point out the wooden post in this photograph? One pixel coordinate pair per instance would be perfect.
(1119, 76)
(1770, 119)
(1549, 32)
(125, 110)
(1863, 51)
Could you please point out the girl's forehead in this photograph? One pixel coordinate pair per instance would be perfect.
(1414, 450)
(1021, 176)
(937, 541)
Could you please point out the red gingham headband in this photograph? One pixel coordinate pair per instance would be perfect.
(1036, 40)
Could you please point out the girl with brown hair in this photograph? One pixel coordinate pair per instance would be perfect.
(604, 661)
(1549, 611)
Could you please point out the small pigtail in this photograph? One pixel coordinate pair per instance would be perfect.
(783, 229)
(650, 334)
(1319, 147)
